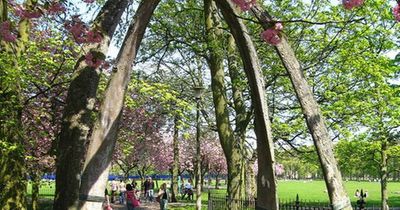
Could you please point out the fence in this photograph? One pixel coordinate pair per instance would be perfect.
(218, 201)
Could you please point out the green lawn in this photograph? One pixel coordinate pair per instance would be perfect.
(309, 191)
(316, 191)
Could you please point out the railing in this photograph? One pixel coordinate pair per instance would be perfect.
(218, 201)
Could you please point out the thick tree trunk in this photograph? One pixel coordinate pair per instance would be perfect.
(313, 116)
(12, 162)
(12, 152)
(266, 177)
(384, 175)
(78, 114)
(175, 164)
(250, 178)
(95, 173)
(232, 146)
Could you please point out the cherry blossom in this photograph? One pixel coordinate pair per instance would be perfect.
(94, 37)
(55, 8)
(245, 4)
(93, 61)
(23, 13)
(350, 4)
(5, 32)
(88, 1)
(271, 36)
(396, 12)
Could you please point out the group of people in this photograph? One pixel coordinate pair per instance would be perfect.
(129, 194)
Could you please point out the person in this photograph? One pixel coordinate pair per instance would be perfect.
(134, 184)
(114, 189)
(146, 188)
(122, 190)
(357, 194)
(163, 197)
(188, 190)
(131, 199)
(149, 189)
(106, 204)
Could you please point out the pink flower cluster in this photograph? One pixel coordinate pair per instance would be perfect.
(245, 4)
(272, 35)
(396, 12)
(55, 8)
(350, 4)
(23, 13)
(81, 33)
(5, 32)
(93, 61)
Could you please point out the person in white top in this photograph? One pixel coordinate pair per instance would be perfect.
(122, 190)
(114, 189)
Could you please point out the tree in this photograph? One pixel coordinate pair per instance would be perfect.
(17, 27)
(103, 138)
(78, 113)
(266, 183)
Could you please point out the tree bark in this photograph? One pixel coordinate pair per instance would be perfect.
(78, 114)
(175, 164)
(12, 151)
(36, 178)
(198, 157)
(103, 139)
(313, 116)
(232, 145)
(384, 175)
(266, 178)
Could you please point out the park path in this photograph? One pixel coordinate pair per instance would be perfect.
(150, 206)
(143, 206)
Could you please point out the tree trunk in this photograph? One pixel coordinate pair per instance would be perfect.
(231, 145)
(313, 116)
(12, 152)
(78, 114)
(384, 175)
(217, 181)
(12, 161)
(266, 178)
(103, 139)
(175, 164)
(250, 178)
(36, 178)
(198, 158)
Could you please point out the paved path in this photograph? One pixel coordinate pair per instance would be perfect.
(143, 206)
(150, 206)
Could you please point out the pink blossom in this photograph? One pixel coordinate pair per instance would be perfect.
(396, 12)
(278, 26)
(350, 4)
(55, 8)
(23, 13)
(92, 61)
(94, 37)
(271, 36)
(78, 30)
(245, 4)
(5, 32)
(88, 1)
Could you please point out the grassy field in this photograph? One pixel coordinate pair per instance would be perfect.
(308, 191)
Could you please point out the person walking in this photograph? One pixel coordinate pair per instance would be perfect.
(131, 200)
(122, 190)
(163, 197)
(114, 189)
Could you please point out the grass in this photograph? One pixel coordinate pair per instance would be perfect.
(308, 191)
